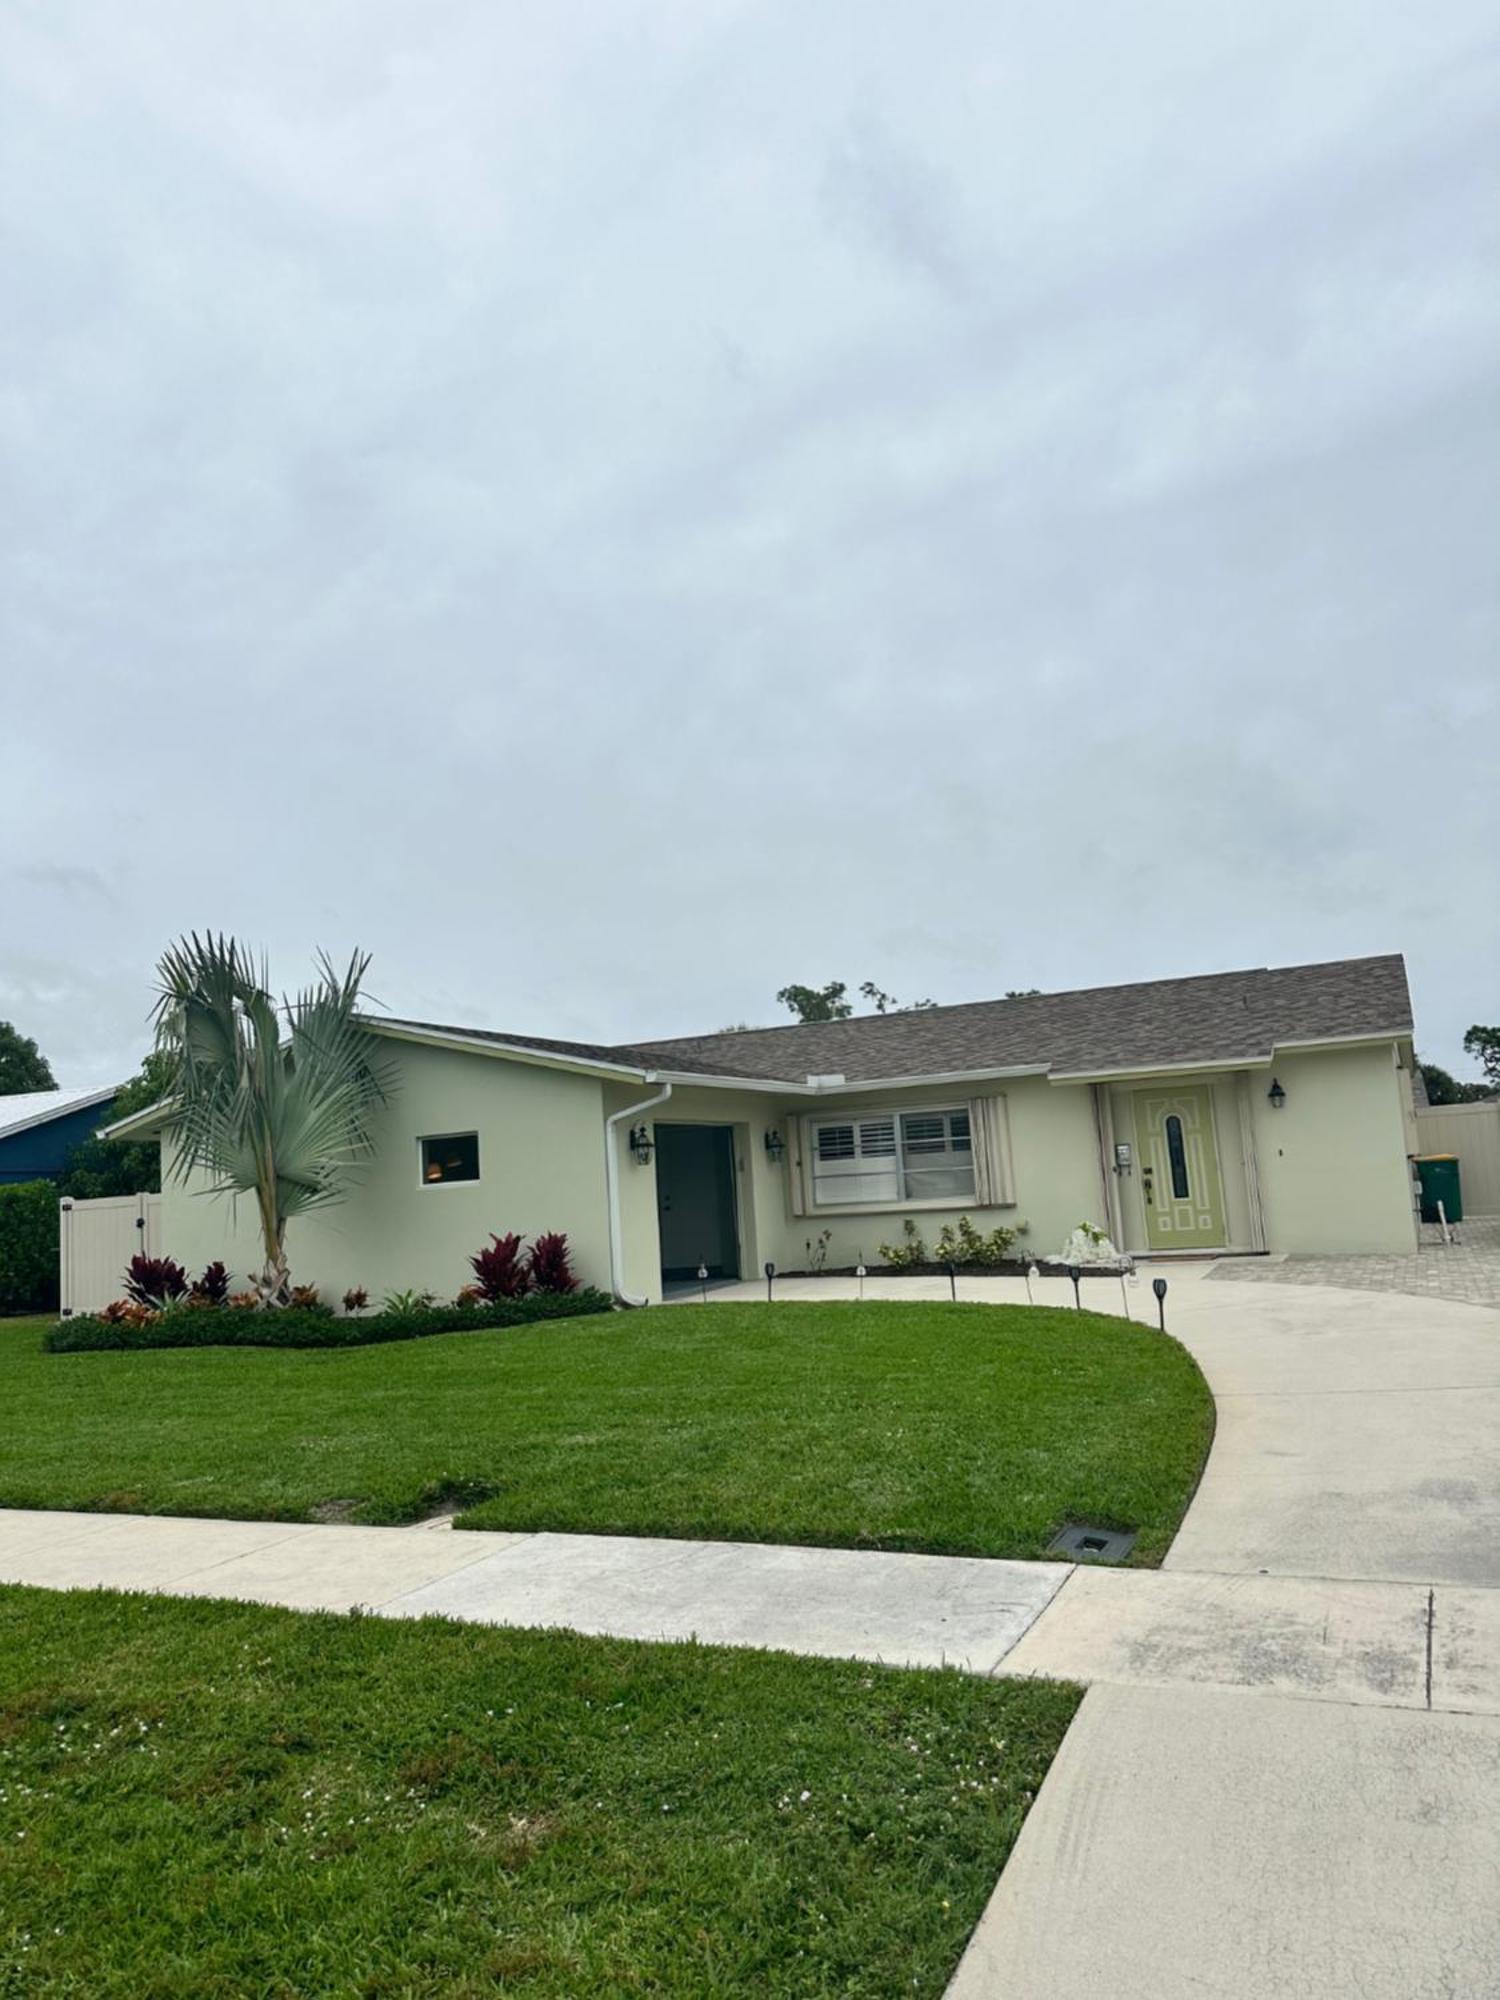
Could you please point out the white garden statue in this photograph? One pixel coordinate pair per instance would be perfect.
(1088, 1245)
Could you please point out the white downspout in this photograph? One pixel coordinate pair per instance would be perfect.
(612, 1187)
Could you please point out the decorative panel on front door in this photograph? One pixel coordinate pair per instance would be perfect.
(1180, 1187)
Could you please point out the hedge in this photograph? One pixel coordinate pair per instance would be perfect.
(28, 1247)
(291, 1326)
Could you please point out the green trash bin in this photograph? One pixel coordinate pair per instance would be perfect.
(1438, 1174)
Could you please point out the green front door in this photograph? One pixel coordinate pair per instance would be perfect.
(1180, 1187)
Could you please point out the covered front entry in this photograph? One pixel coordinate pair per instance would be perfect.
(695, 1201)
(1181, 1191)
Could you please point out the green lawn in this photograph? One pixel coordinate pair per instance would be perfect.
(200, 1801)
(963, 1429)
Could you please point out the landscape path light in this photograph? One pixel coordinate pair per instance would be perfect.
(1159, 1286)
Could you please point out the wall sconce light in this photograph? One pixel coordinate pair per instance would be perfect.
(775, 1148)
(640, 1145)
(1276, 1094)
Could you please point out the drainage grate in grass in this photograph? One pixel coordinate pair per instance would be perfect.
(1083, 1539)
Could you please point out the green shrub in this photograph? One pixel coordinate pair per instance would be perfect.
(291, 1326)
(28, 1247)
(961, 1243)
(910, 1250)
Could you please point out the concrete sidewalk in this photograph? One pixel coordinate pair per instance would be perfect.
(1392, 1645)
(908, 1610)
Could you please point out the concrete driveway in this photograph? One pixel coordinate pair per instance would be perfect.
(1337, 1837)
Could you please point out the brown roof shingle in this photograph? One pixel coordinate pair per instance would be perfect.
(1218, 1017)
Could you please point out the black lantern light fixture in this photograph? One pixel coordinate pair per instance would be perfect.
(1276, 1094)
(775, 1147)
(640, 1145)
(1075, 1273)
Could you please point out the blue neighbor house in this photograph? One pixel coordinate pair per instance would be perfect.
(39, 1128)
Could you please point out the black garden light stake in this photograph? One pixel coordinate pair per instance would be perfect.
(770, 1274)
(703, 1281)
(1074, 1273)
(1159, 1286)
(951, 1268)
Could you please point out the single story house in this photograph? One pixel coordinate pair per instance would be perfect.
(1243, 1112)
(40, 1128)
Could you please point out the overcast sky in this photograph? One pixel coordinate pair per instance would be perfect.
(613, 507)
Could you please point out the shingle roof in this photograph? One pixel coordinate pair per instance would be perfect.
(1224, 1017)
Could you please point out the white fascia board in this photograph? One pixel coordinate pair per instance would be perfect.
(1225, 1063)
(1345, 1041)
(138, 1121)
(930, 1079)
(510, 1052)
(1215, 1065)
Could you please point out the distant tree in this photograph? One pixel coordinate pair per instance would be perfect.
(98, 1167)
(1445, 1089)
(817, 1003)
(1021, 992)
(887, 1003)
(22, 1064)
(1484, 1044)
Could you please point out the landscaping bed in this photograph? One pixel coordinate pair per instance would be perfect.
(1011, 1267)
(202, 1799)
(291, 1326)
(961, 1429)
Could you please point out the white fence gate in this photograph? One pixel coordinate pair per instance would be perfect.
(98, 1239)
(1472, 1131)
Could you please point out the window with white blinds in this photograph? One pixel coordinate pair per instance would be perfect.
(892, 1157)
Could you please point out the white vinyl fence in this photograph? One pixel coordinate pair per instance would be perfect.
(99, 1238)
(1472, 1131)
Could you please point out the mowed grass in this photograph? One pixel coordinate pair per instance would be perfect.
(200, 1801)
(965, 1429)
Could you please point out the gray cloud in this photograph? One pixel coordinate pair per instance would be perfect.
(615, 508)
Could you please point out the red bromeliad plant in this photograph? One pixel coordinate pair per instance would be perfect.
(213, 1286)
(155, 1281)
(500, 1270)
(550, 1267)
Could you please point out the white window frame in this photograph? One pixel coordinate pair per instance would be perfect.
(436, 1139)
(894, 1116)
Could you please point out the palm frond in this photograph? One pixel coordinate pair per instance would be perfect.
(273, 1100)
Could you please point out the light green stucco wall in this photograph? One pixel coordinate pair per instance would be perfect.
(1333, 1169)
(1331, 1164)
(1053, 1149)
(541, 1167)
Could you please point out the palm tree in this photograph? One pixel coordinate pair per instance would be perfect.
(270, 1098)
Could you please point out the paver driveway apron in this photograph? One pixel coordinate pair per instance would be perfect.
(1216, 1840)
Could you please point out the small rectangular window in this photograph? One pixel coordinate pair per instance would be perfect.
(453, 1157)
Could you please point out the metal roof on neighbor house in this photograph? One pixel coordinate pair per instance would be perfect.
(21, 1110)
(1228, 1017)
